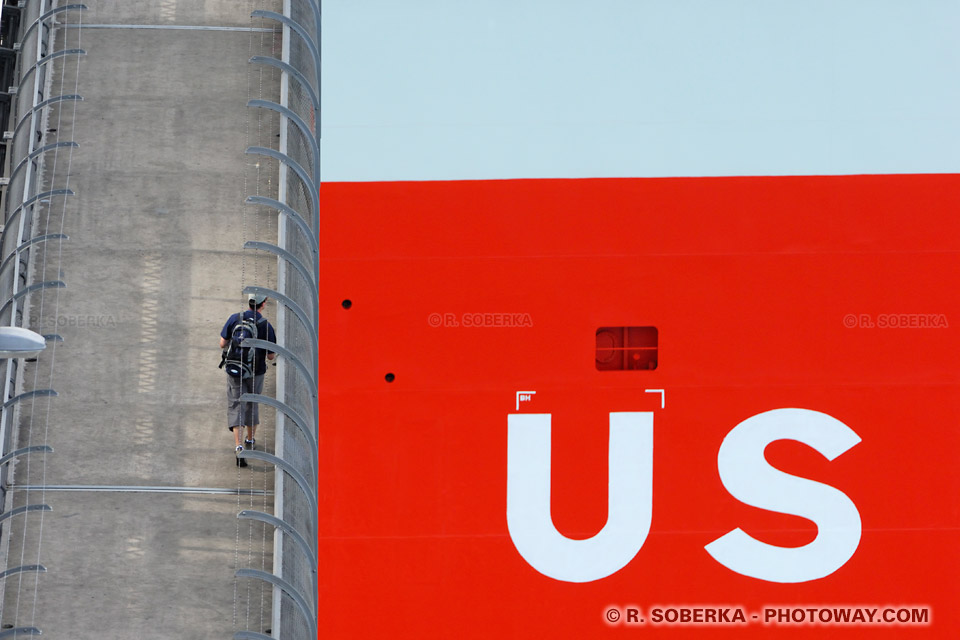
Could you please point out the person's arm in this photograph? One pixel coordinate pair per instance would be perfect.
(224, 340)
(272, 337)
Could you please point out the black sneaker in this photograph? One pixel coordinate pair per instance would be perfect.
(249, 443)
(240, 461)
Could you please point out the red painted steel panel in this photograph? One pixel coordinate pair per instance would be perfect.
(767, 293)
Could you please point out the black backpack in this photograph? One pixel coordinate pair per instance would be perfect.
(237, 360)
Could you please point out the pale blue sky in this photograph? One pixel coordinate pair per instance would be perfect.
(458, 89)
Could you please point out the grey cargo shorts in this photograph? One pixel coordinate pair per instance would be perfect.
(243, 414)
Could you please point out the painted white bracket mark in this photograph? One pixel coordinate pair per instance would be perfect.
(524, 396)
(663, 396)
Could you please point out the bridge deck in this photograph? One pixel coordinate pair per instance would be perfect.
(153, 266)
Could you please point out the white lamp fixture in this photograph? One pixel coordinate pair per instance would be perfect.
(17, 342)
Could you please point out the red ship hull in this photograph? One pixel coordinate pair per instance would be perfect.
(831, 294)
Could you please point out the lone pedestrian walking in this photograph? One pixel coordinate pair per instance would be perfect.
(245, 368)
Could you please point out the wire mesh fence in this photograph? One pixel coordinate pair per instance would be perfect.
(29, 143)
(298, 156)
(29, 139)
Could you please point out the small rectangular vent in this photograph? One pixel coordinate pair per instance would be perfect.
(626, 348)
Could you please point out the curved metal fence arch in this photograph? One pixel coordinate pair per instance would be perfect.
(40, 105)
(30, 242)
(281, 524)
(20, 631)
(23, 396)
(40, 196)
(49, 14)
(287, 588)
(304, 129)
(296, 218)
(283, 66)
(309, 278)
(37, 152)
(293, 24)
(26, 568)
(305, 484)
(37, 448)
(49, 284)
(297, 419)
(50, 58)
(297, 168)
(286, 353)
(286, 255)
(300, 552)
(27, 508)
(293, 306)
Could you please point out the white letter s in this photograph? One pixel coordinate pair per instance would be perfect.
(751, 480)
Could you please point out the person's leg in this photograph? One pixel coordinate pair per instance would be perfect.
(256, 387)
(248, 408)
(235, 415)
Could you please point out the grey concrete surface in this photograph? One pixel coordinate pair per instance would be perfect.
(153, 267)
(176, 12)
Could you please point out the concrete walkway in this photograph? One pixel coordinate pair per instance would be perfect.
(153, 267)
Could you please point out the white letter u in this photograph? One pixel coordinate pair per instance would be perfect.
(630, 496)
